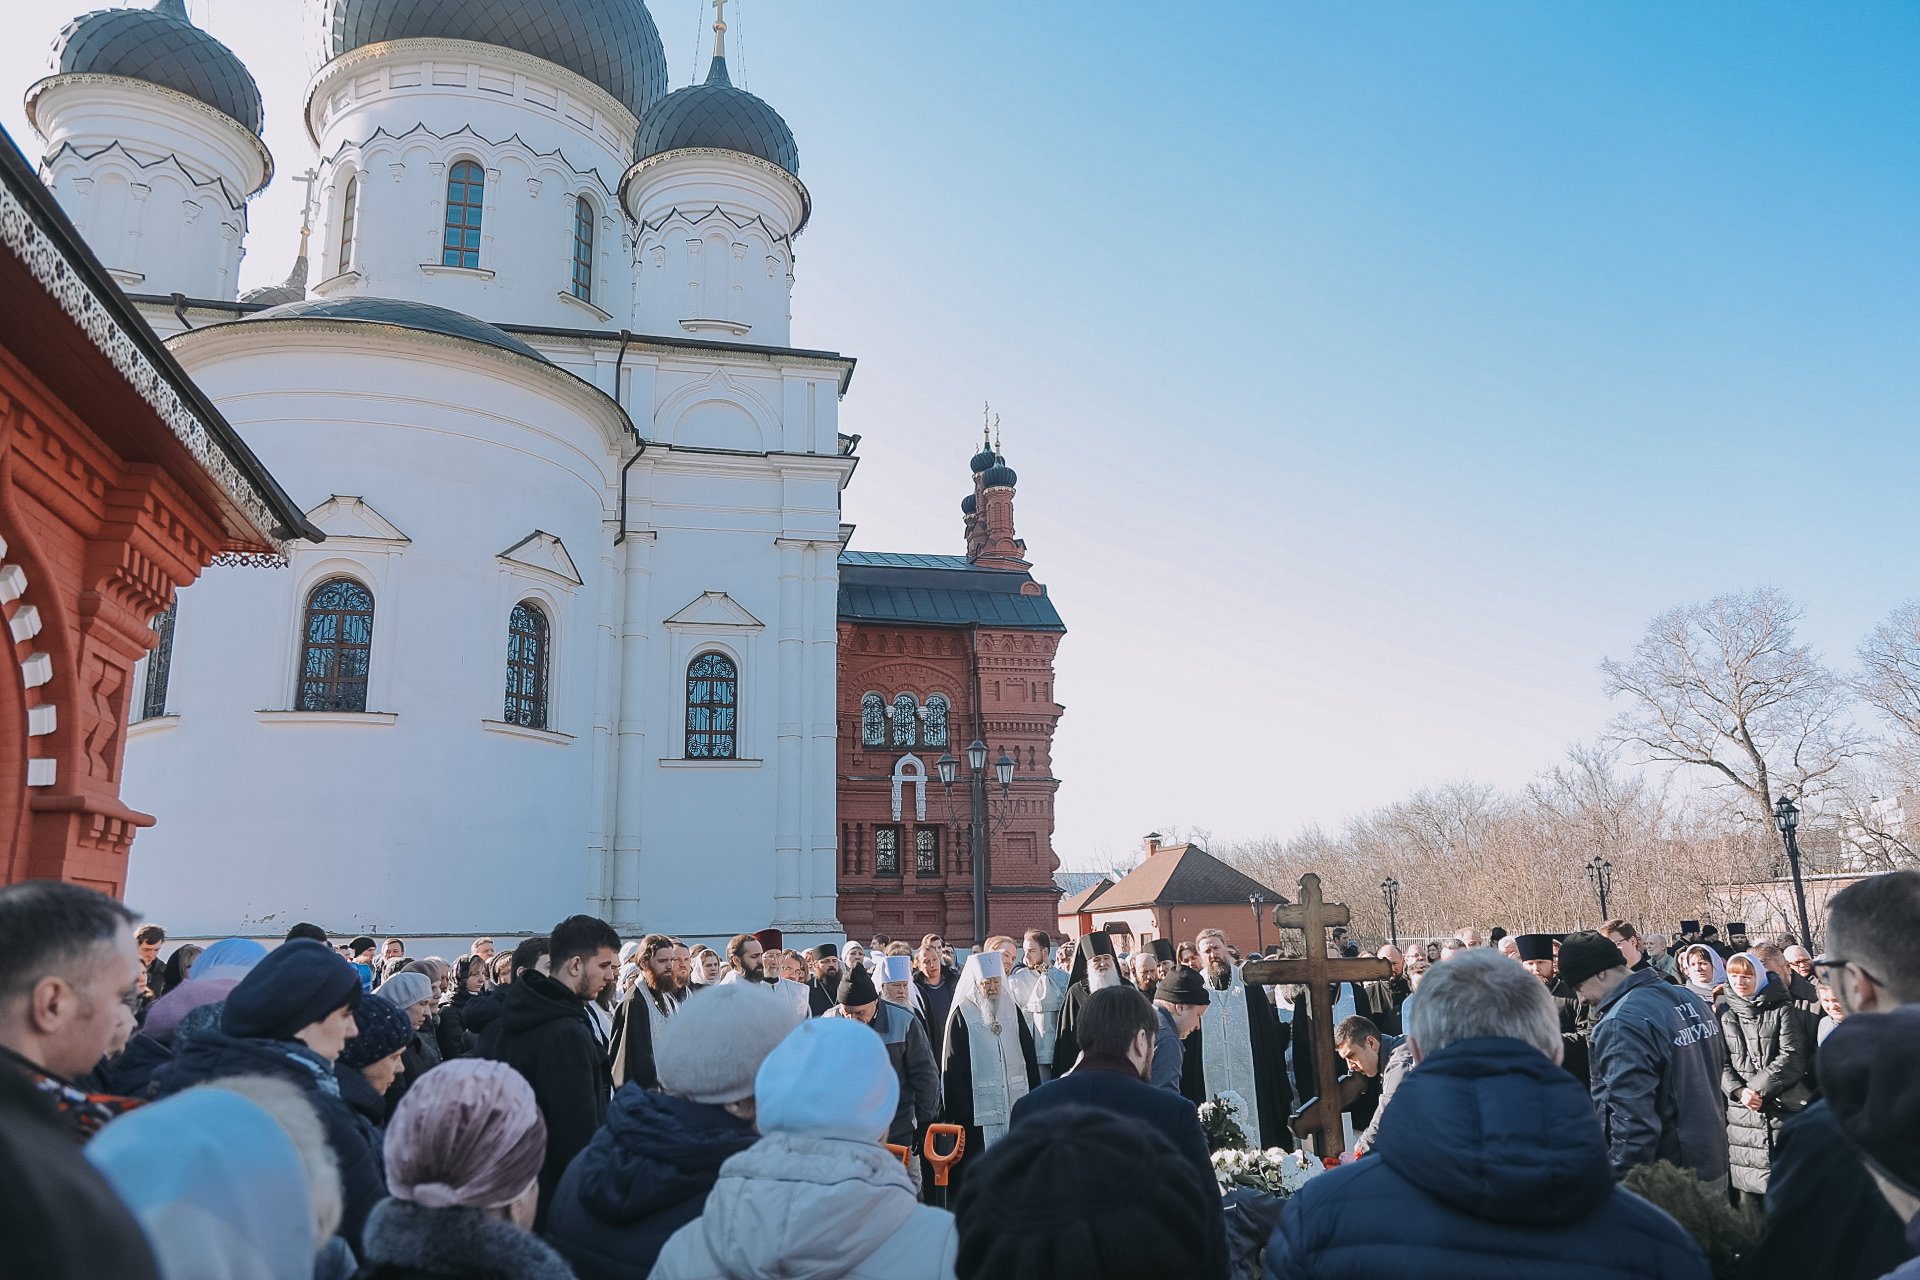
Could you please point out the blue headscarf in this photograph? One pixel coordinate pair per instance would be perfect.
(229, 958)
(216, 1185)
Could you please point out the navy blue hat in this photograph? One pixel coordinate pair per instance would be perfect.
(298, 984)
(384, 1030)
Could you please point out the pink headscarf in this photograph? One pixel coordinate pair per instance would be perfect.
(467, 1135)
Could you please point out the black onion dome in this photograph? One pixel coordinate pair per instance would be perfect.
(160, 46)
(718, 115)
(982, 460)
(1000, 476)
(969, 505)
(420, 316)
(613, 43)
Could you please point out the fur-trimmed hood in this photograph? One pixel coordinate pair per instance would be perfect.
(405, 1240)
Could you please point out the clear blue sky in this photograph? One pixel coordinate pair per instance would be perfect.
(1371, 370)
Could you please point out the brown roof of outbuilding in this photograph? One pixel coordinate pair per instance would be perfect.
(1183, 875)
(1084, 899)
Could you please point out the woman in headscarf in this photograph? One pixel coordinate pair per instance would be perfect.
(412, 991)
(1704, 973)
(469, 980)
(1766, 1068)
(179, 966)
(218, 1186)
(463, 1160)
(215, 972)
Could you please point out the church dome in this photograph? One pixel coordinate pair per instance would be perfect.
(613, 43)
(717, 115)
(983, 460)
(420, 316)
(969, 505)
(1000, 476)
(160, 46)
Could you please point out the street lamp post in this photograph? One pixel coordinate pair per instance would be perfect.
(1600, 876)
(1787, 815)
(1390, 890)
(948, 769)
(1256, 901)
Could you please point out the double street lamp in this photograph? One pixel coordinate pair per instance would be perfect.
(1787, 815)
(1600, 876)
(1390, 890)
(949, 769)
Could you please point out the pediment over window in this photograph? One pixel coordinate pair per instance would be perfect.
(714, 609)
(542, 551)
(350, 517)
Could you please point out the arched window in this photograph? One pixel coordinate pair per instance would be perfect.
(873, 721)
(934, 734)
(153, 698)
(713, 708)
(466, 192)
(527, 633)
(926, 851)
(583, 249)
(349, 215)
(334, 655)
(906, 720)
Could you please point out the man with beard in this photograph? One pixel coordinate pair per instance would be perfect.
(744, 958)
(1094, 969)
(1238, 1052)
(1537, 956)
(1381, 998)
(987, 1064)
(895, 974)
(1040, 990)
(653, 1000)
(1143, 972)
(825, 982)
(747, 956)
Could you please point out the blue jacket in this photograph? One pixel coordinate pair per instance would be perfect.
(1489, 1162)
(1656, 1064)
(643, 1177)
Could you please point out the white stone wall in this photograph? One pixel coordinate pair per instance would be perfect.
(155, 180)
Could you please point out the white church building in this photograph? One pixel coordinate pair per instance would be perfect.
(569, 644)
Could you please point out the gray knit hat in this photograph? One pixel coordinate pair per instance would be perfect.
(710, 1050)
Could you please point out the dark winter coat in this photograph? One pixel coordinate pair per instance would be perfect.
(369, 1106)
(544, 1032)
(480, 1011)
(130, 1073)
(643, 1177)
(456, 1040)
(1111, 1085)
(215, 1055)
(407, 1242)
(936, 1003)
(912, 1056)
(1766, 1052)
(1489, 1162)
(1656, 1060)
(1825, 1215)
(421, 1055)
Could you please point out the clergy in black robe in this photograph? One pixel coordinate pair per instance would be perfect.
(823, 987)
(1239, 1051)
(1094, 967)
(988, 1062)
(1537, 954)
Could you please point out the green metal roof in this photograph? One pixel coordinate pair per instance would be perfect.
(904, 560)
(947, 591)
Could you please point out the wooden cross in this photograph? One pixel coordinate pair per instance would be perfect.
(1319, 1118)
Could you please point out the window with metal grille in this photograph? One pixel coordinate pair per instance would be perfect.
(906, 719)
(349, 215)
(466, 192)
(527, 633)
(583, 250)
(153, 698)
(713, 708)
(934, 732)
(873, 721)
(926, 851)
(335, 652)
(886, 851)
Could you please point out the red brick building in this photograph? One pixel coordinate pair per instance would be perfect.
(937, 652)
(119, 482)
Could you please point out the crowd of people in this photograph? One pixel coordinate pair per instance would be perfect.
(597, 1108)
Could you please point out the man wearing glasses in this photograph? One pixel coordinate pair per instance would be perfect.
(1824, 1214)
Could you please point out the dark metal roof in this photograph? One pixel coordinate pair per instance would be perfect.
(160, 46)
(947, 592)
(716, 114)
(1184, 875)
(904, 560)
(292, 289)
(613, 43)
(404, 314)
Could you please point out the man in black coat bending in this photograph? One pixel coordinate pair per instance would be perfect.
(544, 1032)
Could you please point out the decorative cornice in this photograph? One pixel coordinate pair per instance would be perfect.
(467, 130)
(627, 124)
(174, 96)
(765, 167)
(237, 204)
(29, 241)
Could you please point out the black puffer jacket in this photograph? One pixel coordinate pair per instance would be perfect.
(215, 1055)
(1766, 1052)
(456, 1039)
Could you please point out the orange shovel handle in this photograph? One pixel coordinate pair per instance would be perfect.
(904, 1155)
(943, 1163)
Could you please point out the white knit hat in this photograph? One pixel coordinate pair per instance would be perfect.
(709, 1050)
(407, 989)
(830, 1078)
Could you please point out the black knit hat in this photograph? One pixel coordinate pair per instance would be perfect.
(1029, 1208)
(1585, 954)
(1534, 946)
(1867, 1072)
(856, 987)
(384, 1030)
(1163, 951)
(298, 984)
(1182, 986)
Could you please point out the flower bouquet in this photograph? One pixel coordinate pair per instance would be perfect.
(1223, 1132)
(1273, 1171)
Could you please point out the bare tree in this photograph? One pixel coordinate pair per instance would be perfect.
(1889, 676)
(1722, 686)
